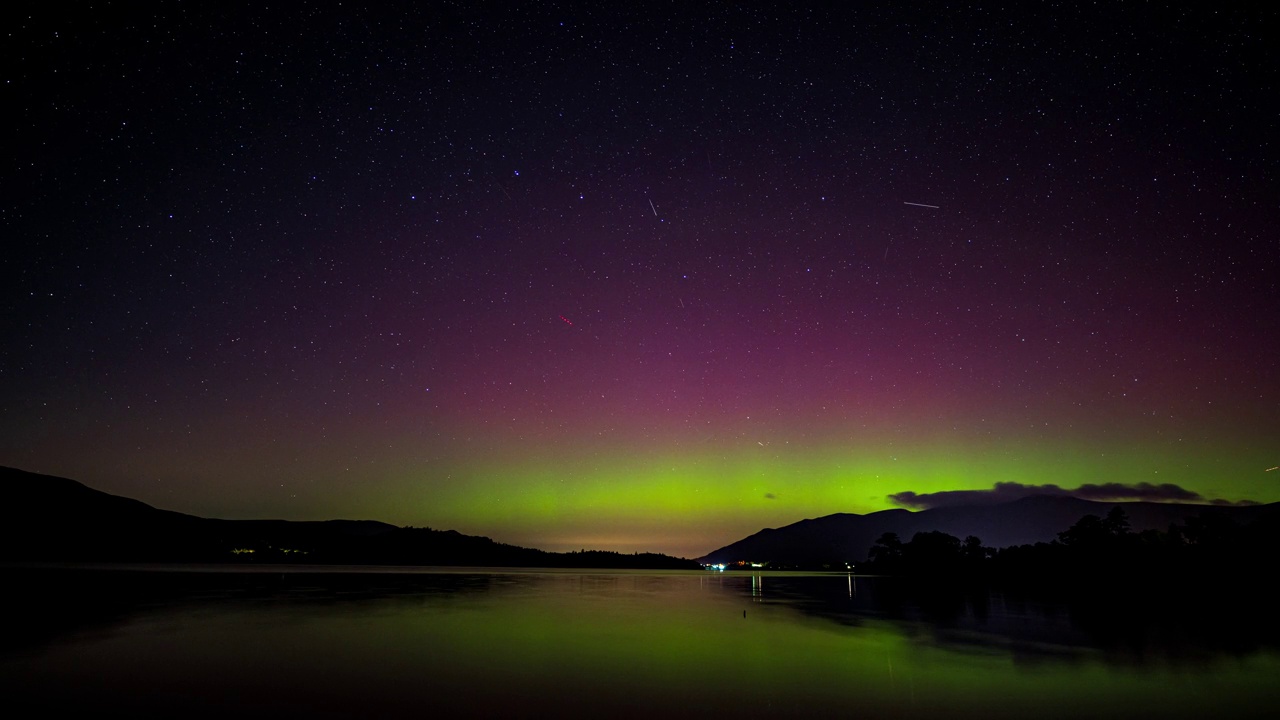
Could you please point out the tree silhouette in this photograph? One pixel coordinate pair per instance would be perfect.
(932, 553)
(1094, 533)
(886, 554)
(1116, 523)
(973, 553)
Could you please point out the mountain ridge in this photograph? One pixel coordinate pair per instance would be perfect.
(55, 519)
(846, 537)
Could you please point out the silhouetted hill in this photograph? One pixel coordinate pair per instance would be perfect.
(846, 537)
(47, 518)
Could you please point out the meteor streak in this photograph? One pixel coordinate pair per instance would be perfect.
(935, 207)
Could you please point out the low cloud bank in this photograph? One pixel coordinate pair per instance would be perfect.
(1105, 492)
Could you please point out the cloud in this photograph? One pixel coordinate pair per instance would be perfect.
(1009, 491)
(1165, 492)
(1002, 492)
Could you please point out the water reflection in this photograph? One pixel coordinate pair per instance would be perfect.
(1200, 624)
(498, 643)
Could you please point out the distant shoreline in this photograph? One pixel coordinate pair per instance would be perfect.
(369, 569)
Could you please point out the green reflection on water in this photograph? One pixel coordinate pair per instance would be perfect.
(616, 644)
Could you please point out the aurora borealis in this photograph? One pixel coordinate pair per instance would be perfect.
(578, 275)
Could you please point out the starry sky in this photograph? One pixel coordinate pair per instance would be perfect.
(637, 276)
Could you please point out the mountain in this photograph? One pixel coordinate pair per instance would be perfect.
(53, 519)
(846, 537)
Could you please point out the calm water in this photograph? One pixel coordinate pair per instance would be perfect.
(486, 643)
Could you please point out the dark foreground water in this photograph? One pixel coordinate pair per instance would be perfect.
(486, 643)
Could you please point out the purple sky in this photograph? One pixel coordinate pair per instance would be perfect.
(649, 278)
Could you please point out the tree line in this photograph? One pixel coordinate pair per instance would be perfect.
(1093, 546)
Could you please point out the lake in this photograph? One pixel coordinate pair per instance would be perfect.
(395, 642)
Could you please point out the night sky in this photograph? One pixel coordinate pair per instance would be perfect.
(642, 276)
